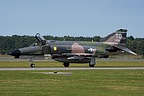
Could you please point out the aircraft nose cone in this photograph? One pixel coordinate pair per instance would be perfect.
(14, 52)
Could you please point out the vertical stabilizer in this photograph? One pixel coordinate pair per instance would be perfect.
(118, 40)
(117, 37)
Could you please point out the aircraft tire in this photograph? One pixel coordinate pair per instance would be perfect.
(66, 64)
(91, 65)
(32, 65)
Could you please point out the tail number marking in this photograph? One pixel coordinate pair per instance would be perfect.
(118, 37)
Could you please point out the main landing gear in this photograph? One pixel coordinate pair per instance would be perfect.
(91, 65)
(92, 62)
(66, 64)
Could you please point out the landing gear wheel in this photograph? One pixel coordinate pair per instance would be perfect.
(66, 64)
(91, 65)
(32, 65)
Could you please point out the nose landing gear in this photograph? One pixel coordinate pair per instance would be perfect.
(32, 65)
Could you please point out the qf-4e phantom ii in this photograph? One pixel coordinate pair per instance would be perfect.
(75, 51)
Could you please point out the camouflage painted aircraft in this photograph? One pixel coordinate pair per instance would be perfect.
(75, 51)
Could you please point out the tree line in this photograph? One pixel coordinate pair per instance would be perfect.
(8, 43)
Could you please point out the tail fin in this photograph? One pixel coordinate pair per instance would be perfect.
(118, 40)
(118, 37)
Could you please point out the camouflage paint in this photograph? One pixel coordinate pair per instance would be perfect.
(76, 48)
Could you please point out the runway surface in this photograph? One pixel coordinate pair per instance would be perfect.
(63, 68)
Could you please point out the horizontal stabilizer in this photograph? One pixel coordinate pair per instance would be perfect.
(129, 51)
(125, 49)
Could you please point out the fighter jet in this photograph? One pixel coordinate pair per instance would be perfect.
(75, 51)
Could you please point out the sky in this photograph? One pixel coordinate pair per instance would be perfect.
(86, 18)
